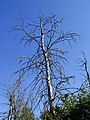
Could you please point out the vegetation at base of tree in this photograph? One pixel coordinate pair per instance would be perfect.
(25, 114)
(79, 109)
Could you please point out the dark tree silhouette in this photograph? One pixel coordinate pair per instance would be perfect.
(46, 63)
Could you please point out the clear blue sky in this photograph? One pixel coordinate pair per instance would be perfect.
(76, 15)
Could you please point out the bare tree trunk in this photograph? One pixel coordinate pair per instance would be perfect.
(12, 107)
(86, 70)
(48, 78)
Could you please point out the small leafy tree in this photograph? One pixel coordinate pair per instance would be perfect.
(81, 110)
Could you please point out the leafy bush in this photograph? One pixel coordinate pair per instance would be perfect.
(72, 108)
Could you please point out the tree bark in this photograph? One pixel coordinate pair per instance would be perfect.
(48, 78)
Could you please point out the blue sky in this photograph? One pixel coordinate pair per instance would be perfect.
(76, 15)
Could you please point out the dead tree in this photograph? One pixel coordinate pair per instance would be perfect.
(84, 66)
(13, 95)
(46, 62)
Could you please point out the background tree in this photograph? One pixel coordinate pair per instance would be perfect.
(84, 67)
(19, 107)
(45, 64)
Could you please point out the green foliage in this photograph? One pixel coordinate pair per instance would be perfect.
(46, 115)
(72, 108)
(81, 111)
(25, 114)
